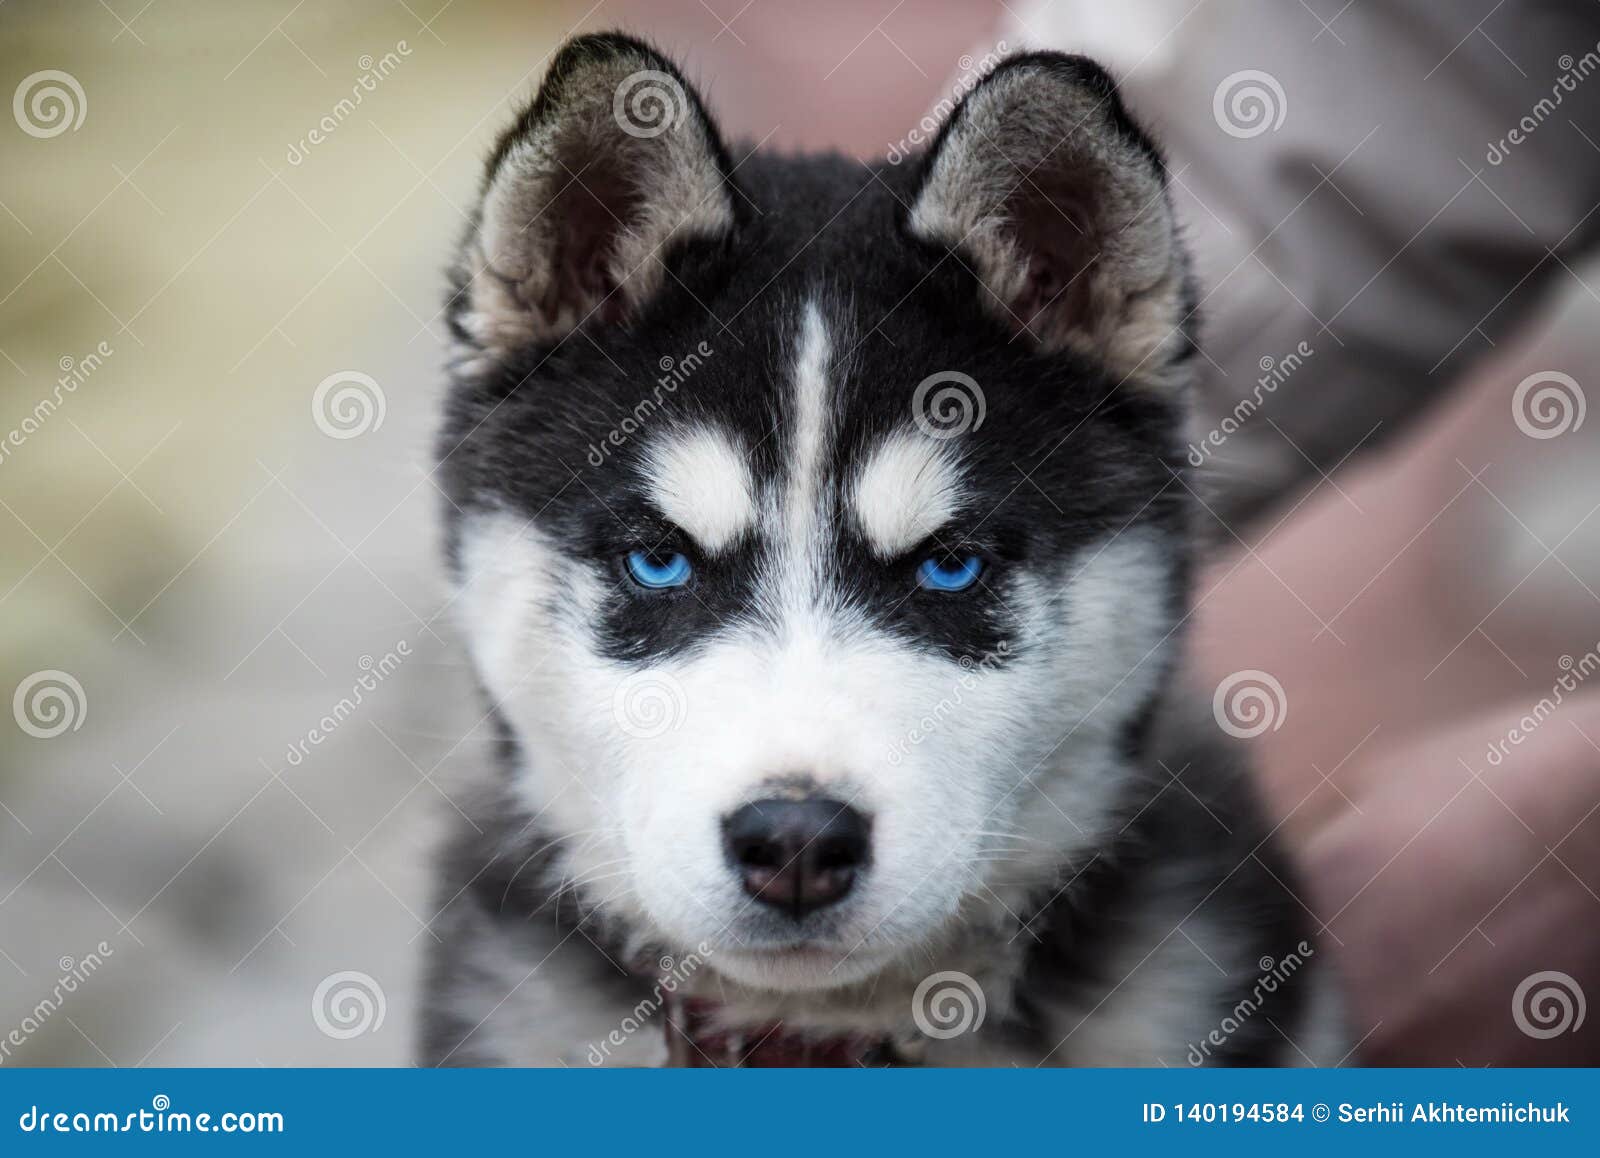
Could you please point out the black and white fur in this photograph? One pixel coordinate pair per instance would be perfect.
(1040, 821)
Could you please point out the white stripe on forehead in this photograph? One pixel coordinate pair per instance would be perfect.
(808, 445)
(906, 491)
(699, 479)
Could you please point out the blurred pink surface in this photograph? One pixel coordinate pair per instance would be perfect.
(1415, 844)
(829, 75)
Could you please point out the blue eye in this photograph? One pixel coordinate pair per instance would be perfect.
(648, 571)
(949, 574)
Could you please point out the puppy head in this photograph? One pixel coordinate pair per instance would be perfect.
(817, 526)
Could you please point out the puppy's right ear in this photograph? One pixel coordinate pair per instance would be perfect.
(1050, 193)
(615, 162)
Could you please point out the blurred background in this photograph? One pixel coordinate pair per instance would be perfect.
(239, 717)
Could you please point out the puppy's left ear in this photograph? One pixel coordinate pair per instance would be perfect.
(1057, 201)
(613, 168)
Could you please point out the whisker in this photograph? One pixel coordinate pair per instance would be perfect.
(505, 896)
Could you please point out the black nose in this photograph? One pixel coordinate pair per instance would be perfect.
(798, 855)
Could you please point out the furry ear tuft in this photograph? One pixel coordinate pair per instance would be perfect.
(614, 164)
(1058, 202)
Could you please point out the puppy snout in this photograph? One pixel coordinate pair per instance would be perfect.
(797, 855)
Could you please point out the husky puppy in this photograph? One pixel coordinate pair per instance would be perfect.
(819, 533)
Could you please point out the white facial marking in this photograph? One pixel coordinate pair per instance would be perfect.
(933, 751)
(801, 515)
(506, 571)
(908, 489)
(700, 480)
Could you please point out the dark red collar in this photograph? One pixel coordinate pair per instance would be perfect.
(697, 1040)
